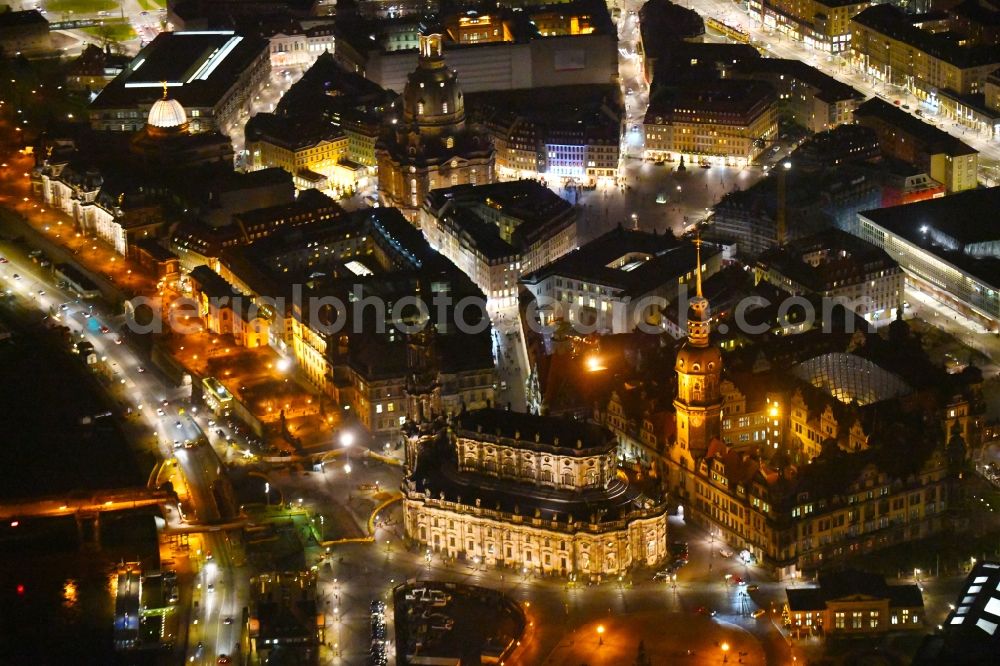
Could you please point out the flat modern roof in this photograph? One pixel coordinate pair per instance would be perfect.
(197, 67)
(946, 225)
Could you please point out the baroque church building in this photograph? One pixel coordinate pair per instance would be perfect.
(429, 146)
(532, 493)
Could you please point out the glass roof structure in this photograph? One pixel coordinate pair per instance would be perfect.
(851, 378)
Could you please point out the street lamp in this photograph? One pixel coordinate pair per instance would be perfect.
(267, 493)
(725, 652)
(600, 634)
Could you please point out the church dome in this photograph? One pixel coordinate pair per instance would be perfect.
(167, 114)
(432, 97)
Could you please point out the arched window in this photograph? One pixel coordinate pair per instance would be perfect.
(444, 107)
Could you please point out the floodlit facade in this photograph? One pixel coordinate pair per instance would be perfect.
(536, 493)
(726, 122)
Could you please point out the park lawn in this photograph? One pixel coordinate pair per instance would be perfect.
(113, 32)
(80, 6)
(151, 5)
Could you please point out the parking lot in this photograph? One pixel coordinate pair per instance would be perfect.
(453, 621)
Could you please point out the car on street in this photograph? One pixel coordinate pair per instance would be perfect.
(702, 610)
(228, 620)
(16, 276)
(906, 107)
(753, 588)
(140, 369)
(758, 613)
(105, 330)
(177, 424)
(118, 341)
(159, 412)
(64, 307)
(725, 552)
(3, 260)
(211, 587)
(87, 315)
(41, 292)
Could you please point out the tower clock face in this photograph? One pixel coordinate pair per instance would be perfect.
(697, 420)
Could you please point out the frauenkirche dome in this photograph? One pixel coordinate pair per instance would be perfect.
(167, 113)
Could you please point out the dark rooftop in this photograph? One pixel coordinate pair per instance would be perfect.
(22, 19)
(211, 283)
(840, 584)
(658, 259)
(893, 22)
(820, 261)
(830, 89)
(535, 205)
(199, 67)
(547, 430)
(594, 110)
(936, 140)
(152, 247)
(484, 235)
(291, 133)
(729, 96)
(947, 226)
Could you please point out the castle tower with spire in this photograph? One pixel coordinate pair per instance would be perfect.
(698, 403)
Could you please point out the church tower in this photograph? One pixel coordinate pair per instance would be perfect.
(699, 368)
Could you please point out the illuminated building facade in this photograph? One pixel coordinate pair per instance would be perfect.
(536, 493)
(824, 25)
(300, 147)
(926, 55)
(561, 134)
(726, 122)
